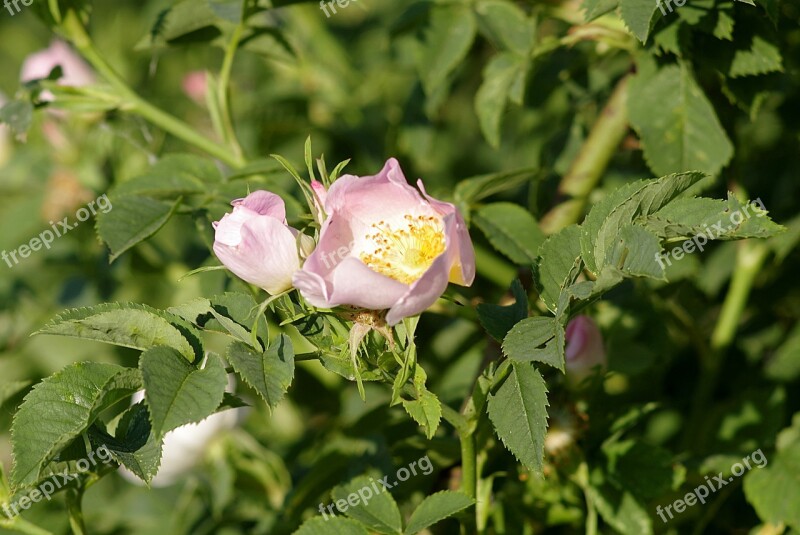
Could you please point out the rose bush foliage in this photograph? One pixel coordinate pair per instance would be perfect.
(276, 332)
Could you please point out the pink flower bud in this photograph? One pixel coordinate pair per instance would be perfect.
(584, 349)
(257, 245)
(320, 194)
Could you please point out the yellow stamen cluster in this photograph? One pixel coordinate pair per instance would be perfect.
(406, 252)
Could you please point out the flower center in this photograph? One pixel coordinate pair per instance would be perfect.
(405, 253)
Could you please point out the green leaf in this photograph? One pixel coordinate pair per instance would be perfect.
(133, 219)
(608, 278)
(507, 25)
(435, 508)
(172, 176)
(62, 407)
(229, 10)
(761, 57)
(638, 16)
(535, 339)
(785, 363)
(474, 189)
(335, 525)
(269, 43)
(178, 393)
(772, 7)
(376, 510)
(634, 201)
(558, 257)
(725, 22)
(694, 13)
(597, 8)
(620, 510)
(713, 218)
(128, 325)
(635, 252)
(643, 469)
(231, 313)
(426, 410)
(498, 319)
(231, 401)
(512, 230)
(240, 308)
(518, 412)
(236, 330)
(676, 123)
(269, 373)
(134, 445)
(774, 490)
(182, 19)
(138, 449)
(491, 99)
(447, 41)
(18, 115)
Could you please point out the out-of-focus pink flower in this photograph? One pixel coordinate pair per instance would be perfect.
(584, 349)
(5, 137)
(386, 246)
(195, 85)
(75, 71)
(257, 245)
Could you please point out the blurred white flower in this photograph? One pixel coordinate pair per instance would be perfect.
(185, 447)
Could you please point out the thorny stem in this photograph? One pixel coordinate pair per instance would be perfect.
(23, 526)
(587, 168)
(77, 34)
(222, 91)
(750, 258)
(74, 506)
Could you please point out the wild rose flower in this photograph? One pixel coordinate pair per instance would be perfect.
(386, 246)
(584, 349)
(257, 245)
(75, 71)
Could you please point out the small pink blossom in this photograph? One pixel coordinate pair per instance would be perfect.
(584, 349)
(257, 245)
(385, 246)
(5, 137)
(194, 85)
(75, 71)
